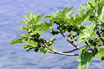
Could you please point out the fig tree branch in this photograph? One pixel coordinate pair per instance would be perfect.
(61, 53)
(71, 42)
(65, 54)
(71, 50)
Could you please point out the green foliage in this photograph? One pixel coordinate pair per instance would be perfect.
(75, 26)
(100, 53)
(87, 33)
(16, 41)
(85, 59)
(101, 13)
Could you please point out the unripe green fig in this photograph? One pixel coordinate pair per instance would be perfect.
(69, 34)
(38, 35)
(25, 46)
(102, 58)
(102, 29)
(51, 39)
(74, 29)
(75, 34)
(51, 30)
(36, 49)
(75, 39)
(90, 41)
(41, 38)
(27, 49)
(62, 27)
(29, 31)
(45, 41)
(63, 30)
(50, 42)
(98, 44)
(69, 28)
(43, 45)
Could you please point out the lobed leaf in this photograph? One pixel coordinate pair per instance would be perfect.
(101, 14)
(85, 59)
(32, 43)
(100, 53)
(87, 33)
(16, 41)
(23, 28)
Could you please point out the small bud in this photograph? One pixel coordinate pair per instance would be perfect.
(69, 34)
(74, 35)
(41, 39)
(75, 39)
(27, 49)
(25, 46)
(29, 31)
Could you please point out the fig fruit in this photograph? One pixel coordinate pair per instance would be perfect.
(90, 41)
(36, 49)
(25, 46)
(75, 34)
(69, 34)
(75, 39)
(27, 49)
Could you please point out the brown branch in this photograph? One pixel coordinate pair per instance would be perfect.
(71, 50)
(64, 54)
(90, 49)
(71, 42)
(61, 53)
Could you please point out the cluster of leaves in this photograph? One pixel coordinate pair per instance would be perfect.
(32, 39)
(75, 27)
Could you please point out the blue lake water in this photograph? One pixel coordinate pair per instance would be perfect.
(15, 57)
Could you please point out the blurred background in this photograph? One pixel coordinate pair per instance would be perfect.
(15, 57)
